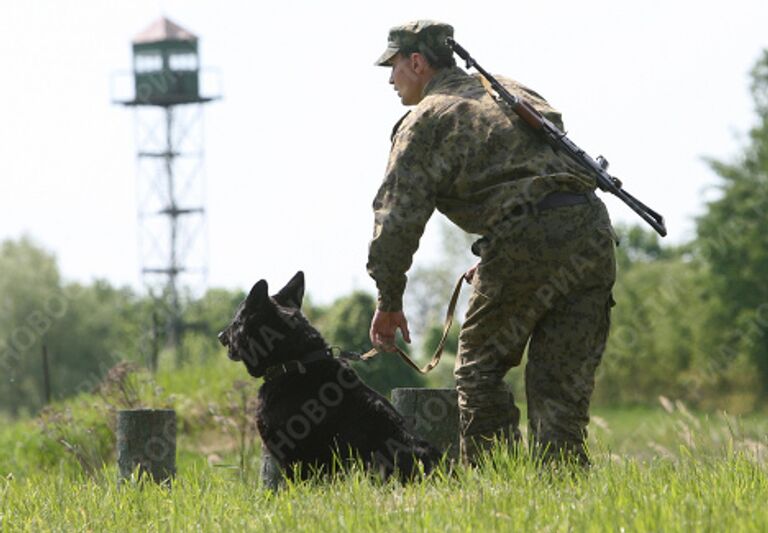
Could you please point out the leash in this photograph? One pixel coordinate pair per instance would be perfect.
(373, 352)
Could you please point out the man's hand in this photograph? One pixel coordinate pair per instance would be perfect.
(383, 327)
(469, 274)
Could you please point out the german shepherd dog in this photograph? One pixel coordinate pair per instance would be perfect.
(314, 413)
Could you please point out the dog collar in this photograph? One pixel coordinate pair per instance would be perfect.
(297, 366)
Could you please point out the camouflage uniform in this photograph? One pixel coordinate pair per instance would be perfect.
(544, 275)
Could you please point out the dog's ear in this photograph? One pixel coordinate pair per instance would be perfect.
(293, 293)
(258, 295)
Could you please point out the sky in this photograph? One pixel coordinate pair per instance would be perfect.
(296, 148)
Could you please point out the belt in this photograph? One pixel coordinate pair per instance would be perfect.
(551, 201)
(554, 200)
(565, 199)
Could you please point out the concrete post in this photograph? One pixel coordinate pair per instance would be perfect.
(432, 414)
(146, 438)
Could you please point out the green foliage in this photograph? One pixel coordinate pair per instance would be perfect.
(84, 329)
(205, 317)
(346, 321)
(100, 328)
(29, 295)
(441, 376)
(656, 331)
(639, 246)
(435, 334)
(733, 240)
(664, 339)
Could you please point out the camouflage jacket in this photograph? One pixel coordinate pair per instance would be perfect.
(463, 153)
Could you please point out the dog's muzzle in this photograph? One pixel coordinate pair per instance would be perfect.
(222, 336)
(224, 340)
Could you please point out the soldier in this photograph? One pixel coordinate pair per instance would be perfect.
(546, 266)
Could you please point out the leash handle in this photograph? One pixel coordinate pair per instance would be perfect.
(373, 352)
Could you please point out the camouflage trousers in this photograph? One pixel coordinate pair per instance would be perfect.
(544, 281)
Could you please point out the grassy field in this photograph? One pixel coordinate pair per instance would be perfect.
(726, 493)
(655, 469)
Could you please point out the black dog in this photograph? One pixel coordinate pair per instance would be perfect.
(313, 407)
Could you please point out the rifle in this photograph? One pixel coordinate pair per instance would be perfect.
(559, 140)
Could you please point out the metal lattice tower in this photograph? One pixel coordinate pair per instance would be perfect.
(170, 192)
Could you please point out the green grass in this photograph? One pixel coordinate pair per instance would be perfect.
(645, 433)
(726, 493)
(655, 469)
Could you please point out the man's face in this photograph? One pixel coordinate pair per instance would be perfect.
(406, 79)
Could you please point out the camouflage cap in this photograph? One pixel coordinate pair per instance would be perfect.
(424, 36)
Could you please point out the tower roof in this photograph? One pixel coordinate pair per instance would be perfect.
(164, 29)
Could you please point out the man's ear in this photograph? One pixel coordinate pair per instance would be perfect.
(418, 62)
(258, 295)
(293, 293)
(415, 59)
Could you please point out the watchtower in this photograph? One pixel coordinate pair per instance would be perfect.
(171, 198)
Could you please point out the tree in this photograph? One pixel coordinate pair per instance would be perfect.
(30, 300)
(655, 344)
(733, 240)
(101, 327)
(86, 329)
